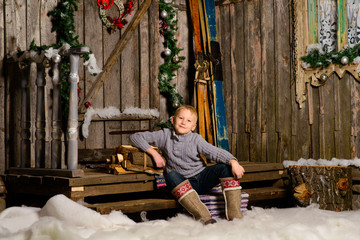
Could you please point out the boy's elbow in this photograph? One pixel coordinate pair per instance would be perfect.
(133, 138)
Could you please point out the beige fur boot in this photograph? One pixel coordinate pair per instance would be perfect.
(232, 194)
(190, 200)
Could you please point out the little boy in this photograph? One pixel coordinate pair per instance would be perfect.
(186, 174)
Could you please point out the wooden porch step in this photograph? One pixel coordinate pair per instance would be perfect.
(266, 193)
(133, 206)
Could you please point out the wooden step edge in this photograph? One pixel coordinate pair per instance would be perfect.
(263, 176)
(266, 193)
(133, 206)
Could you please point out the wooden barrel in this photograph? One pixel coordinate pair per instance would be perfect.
(328, 186)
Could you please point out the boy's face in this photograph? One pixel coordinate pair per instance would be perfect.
(184, 122)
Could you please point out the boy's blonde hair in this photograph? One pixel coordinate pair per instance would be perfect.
(188, 107)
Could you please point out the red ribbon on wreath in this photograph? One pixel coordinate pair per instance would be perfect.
(105, 3)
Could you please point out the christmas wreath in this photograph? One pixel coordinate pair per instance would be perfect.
(114, 23)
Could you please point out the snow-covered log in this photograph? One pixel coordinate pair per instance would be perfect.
(328, 186)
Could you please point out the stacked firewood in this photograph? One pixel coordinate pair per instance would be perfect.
(129, 159)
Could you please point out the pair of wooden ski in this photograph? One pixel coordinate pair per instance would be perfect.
(208, 77)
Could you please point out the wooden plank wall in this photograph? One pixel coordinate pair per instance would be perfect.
(255, 40)
(264, 121)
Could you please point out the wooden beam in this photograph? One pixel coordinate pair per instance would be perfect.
(266, 193)
(98, 190)
(262, 176)
(115, 54)
(47, 171)
(93, 178)
(132, 206)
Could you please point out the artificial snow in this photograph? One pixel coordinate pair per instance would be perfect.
(64, 219)
(111, 112)
(92, 66)
(323, 162)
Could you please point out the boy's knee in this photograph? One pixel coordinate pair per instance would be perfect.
(224, 170)
(173, 179)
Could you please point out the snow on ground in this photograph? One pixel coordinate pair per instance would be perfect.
(63, 219)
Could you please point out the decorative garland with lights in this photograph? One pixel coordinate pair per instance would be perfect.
(172, 62)
(316, 57)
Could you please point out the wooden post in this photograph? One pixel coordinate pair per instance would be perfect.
(40, 117)
(73, 131)
(56, 132)
(25, 117)
(328, 186)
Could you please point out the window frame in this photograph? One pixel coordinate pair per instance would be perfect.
(306, 33)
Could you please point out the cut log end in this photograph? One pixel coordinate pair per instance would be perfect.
(328, 186)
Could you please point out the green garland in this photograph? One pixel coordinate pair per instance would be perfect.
(63, 24)
(315, 58)
(171, 55)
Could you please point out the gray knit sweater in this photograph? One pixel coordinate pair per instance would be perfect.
(181, 151)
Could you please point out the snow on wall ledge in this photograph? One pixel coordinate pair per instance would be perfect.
(111, 112)
(323, 162)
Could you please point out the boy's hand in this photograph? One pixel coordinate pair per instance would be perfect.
(237, 170)
(158, 159)
(160, 163)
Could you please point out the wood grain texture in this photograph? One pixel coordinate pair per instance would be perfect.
(268, 90)
(154, 53)
(79, 31)
(112, 96)
(282, 64)
(253, 78)
(145, 65)
(130, 78)
(117, 52)
(328, 186)
(3, 154)
(94, 40)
